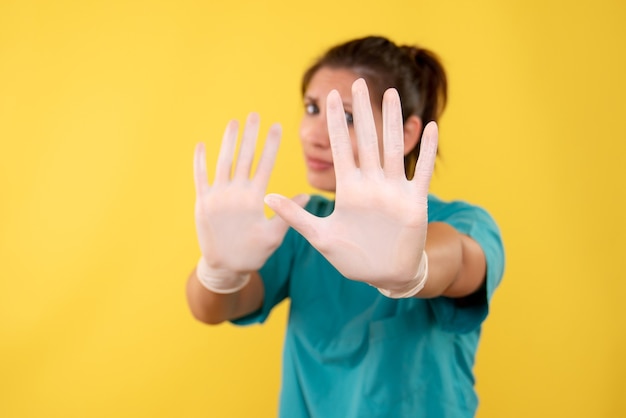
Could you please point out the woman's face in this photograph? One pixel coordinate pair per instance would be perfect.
(314, 131)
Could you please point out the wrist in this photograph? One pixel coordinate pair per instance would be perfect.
(220, 280)
(414, 286)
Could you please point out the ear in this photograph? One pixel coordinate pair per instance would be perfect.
(412, 130)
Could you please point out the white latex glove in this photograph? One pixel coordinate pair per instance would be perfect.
(234, 234)
(377, 232)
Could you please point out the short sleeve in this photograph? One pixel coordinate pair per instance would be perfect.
(467, 314)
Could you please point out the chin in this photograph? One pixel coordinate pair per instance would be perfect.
(323, 183)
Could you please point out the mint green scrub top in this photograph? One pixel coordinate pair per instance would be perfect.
(350, 352)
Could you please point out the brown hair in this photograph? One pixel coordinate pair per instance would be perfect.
(416, 73)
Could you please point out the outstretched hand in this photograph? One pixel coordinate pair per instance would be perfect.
(377, 231)
(233, 231)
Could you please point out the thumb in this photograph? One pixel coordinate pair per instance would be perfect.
(290, 210)
(301, 199)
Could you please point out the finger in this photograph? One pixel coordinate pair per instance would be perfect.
(247, 147)
(199, 170)
(291, 212)
(393, 135)
(301, 199)
(227, 151)
(343, 156)
(278, 223)
(268, 157)
(365, 127)
(426, 160)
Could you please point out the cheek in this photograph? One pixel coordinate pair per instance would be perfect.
(305, 130)
(355, 147)
(379, 133)
(380, 142)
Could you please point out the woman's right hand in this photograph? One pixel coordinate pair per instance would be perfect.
(233, 231)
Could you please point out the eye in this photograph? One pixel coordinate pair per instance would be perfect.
(349, 118)
(311, 109)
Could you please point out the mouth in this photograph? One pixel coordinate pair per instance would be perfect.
(315, 164)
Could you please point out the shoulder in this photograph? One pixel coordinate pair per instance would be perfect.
(462, 215)
(474, 221)
(443, 208)
(320, 206)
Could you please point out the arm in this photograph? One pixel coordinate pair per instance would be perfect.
(456, 263)
(214, 308)
(235, 236)
(379, 228)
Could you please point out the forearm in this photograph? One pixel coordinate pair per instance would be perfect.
(214, 308)
(456, 263)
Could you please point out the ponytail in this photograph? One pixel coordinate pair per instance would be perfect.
(432, 84)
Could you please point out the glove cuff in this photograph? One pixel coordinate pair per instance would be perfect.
(414, 286)
(219, 280)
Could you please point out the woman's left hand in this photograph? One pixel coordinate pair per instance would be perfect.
(377, 232)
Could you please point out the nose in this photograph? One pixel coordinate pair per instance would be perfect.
(314, 131)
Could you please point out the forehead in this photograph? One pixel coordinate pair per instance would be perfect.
(326, 79)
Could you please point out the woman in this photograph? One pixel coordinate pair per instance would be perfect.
(388, 285)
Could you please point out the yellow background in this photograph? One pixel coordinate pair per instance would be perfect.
(101, 104)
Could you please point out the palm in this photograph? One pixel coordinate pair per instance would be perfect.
(232, 229)
(377, 231)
